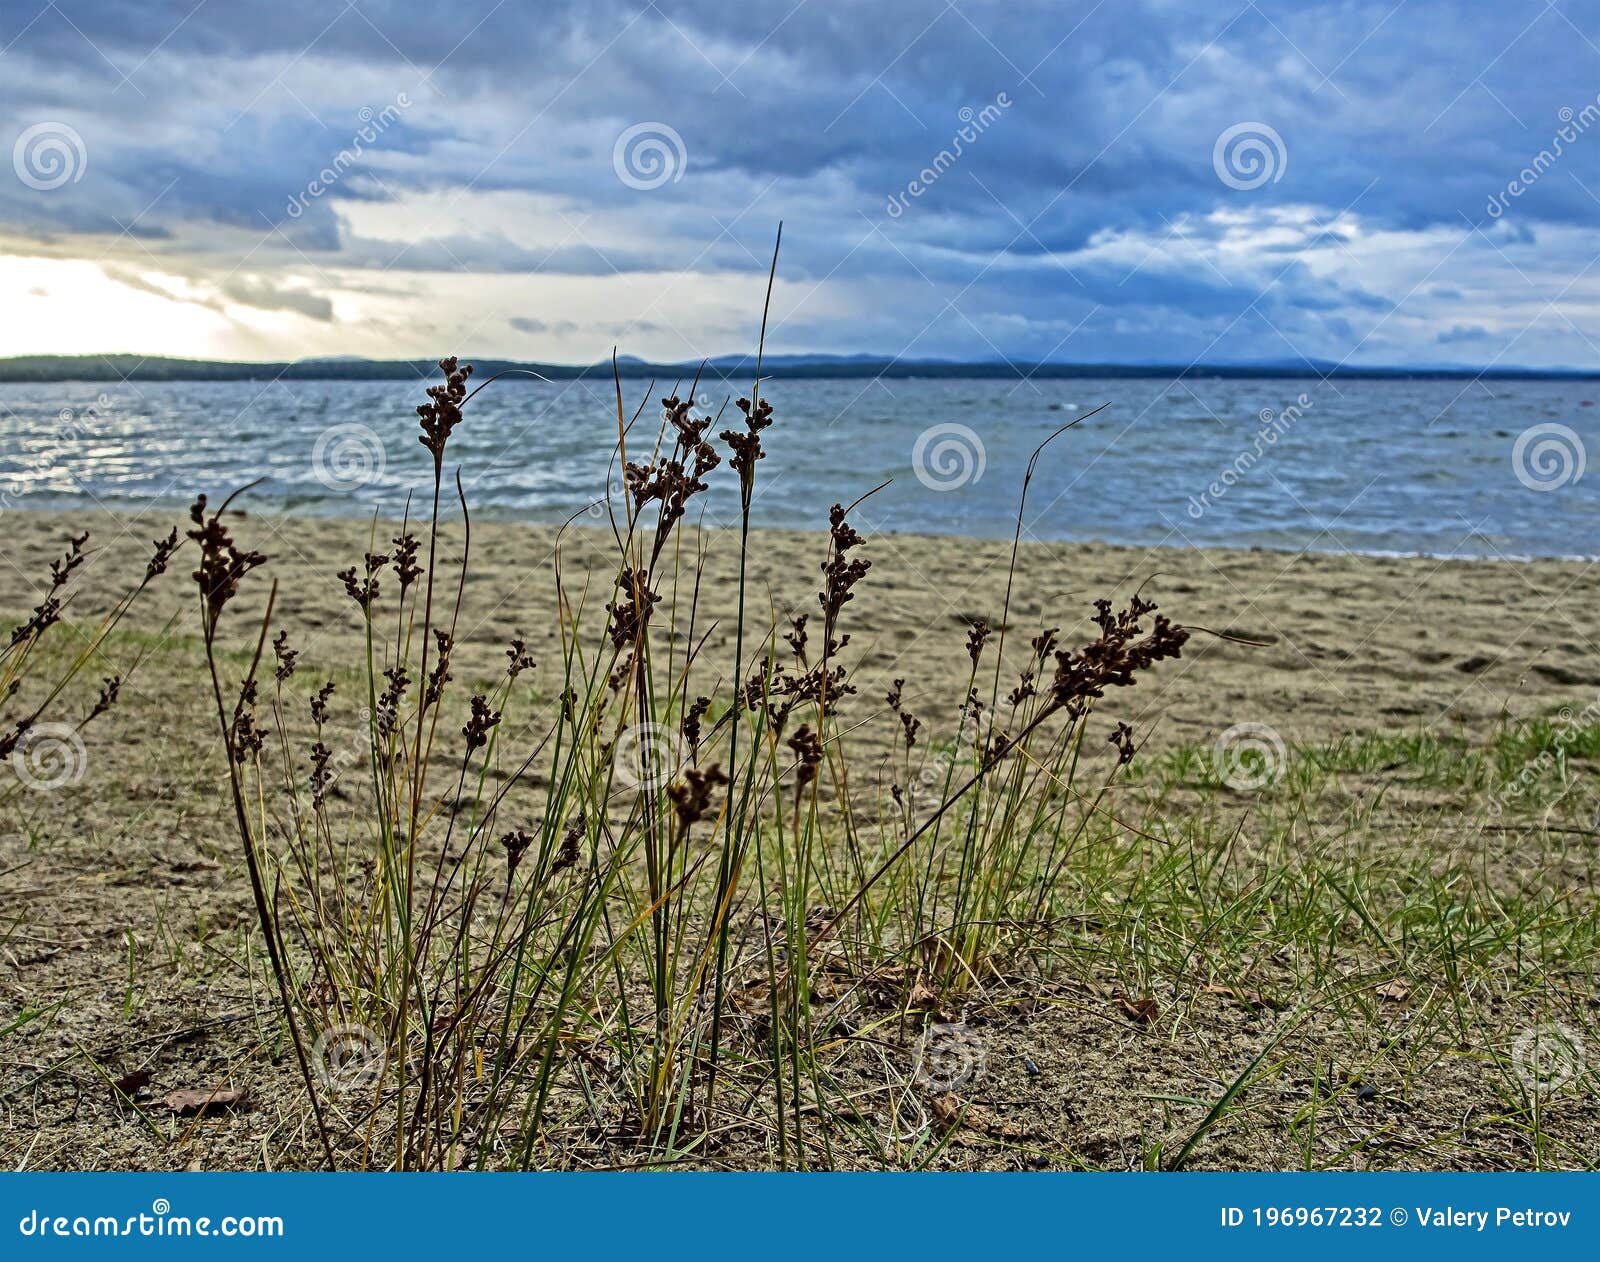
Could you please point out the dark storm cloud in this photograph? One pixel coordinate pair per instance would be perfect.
(1406, 119)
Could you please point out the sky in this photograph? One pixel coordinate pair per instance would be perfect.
(1122, 181)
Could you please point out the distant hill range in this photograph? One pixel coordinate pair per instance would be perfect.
(43, 368)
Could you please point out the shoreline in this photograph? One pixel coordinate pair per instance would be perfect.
(585, 519)
(1341, 643)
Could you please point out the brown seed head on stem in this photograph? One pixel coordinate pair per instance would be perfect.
(1114, 658)
(223, 564)
(442, 413)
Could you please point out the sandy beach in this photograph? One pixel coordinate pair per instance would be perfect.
(121, 905)
(1346, 642)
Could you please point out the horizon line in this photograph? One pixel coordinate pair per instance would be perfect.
(104, 366)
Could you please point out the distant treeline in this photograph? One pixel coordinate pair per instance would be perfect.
(42, 368)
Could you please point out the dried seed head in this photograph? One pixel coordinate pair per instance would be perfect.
(518, 658)
(1113, 659)
(45, 615)
(630, 614)
(61, 571)
(1122, 738)
(620, 675)
(1023, 690)
(440, 675)
(362, 590)
(479, 723)
(321, 776)
(223, 564)
(109, 688)
(746, 444)
(840, 574)
(388, 715)
(796, 636)
(568, 855)
(164, 548)
(319, 704)
(691, 724)
(286, 656)
(10, 740)
(442, 413)
(977, 637)
(692, 798)
(516, 844)
(406, 568)
(676, 480)
(808, 754)
(48, 612)
(245, 739)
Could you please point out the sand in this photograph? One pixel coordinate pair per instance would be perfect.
(1343, 642)
(133, 872)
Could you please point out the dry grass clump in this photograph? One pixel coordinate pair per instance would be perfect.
(653, 892)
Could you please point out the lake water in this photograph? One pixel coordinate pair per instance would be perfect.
(1449, 468)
